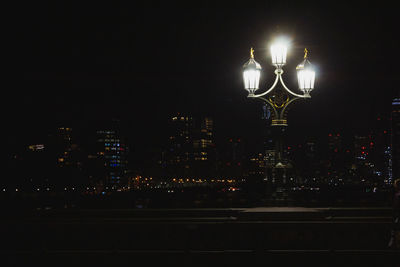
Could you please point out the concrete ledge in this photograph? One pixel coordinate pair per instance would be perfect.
(280, 213)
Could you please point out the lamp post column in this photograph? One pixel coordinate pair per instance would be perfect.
(279, 99)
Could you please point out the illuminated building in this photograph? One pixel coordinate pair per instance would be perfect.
(277, 164)
(388, 165)
(372, 158)
(180, 153)
(38, 147)
(112, 152)
(257, 166)
(395, 138)
(361, 149)
(68, 159)
(203, 140)
(64, 146)
(191, 147)
(379, 149)
(204, 155)
(362, 159)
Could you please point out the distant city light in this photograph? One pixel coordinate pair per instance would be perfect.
(36, 147)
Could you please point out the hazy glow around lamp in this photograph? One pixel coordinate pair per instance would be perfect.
(278, 54)
(305, 75)
(251, 74)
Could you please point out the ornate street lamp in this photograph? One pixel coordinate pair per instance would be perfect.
(279, 97)
(251, 74)
(305, 75)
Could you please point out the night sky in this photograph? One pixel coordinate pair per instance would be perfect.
(141, 63)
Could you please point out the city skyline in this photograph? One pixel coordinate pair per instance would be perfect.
(101, 158)
(258, 120)
(122, 65)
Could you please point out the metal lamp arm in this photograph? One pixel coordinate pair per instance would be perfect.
(270, 89)
(289, 91)
(278, 74)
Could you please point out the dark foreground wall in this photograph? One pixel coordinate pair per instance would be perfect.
(199, 237)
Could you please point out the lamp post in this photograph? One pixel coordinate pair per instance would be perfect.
(279, 97)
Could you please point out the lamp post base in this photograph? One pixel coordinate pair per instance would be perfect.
(279, 123)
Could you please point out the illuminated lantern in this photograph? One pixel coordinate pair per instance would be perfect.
(305, 75)
(278, 54)
(251, 74)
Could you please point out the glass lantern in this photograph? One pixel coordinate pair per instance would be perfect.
(305, 75)
(278, 54)
(251, 74)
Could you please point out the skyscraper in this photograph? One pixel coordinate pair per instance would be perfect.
(203, 140)
(257, 166)
(204, 164)
(379, 148)
(396, 138)
(67, 157)
(191, 144)
(361, 149)
(63, 145)
(180, 148)
(113, 152)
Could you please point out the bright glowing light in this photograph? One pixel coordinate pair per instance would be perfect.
(251, 74)
(251, 80)
(36, 147)
(306, 80)
(305, 75)
(278, 53)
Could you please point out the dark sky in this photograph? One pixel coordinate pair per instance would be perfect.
(141, 63)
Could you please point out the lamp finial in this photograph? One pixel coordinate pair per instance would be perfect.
(305, 53)
(251, 52)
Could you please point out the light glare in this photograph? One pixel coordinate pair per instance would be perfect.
(306, 80)
(278, 52)
(251, 80)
